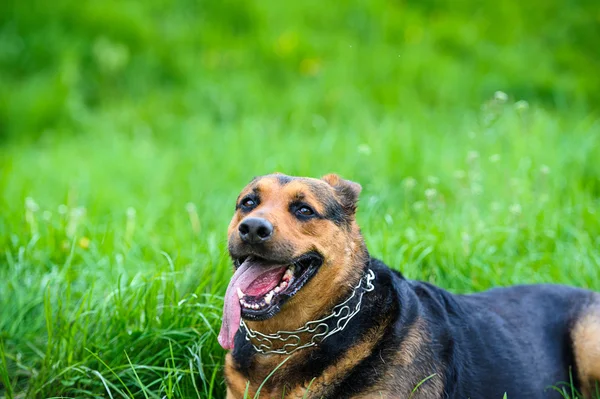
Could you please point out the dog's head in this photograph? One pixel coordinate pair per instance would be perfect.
(296, 249)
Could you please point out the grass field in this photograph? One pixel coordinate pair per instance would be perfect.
(126, 132)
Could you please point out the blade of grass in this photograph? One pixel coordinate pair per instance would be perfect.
(137, 377)
(421, 383)
(111, 370)
(257, 395)
(4, 372)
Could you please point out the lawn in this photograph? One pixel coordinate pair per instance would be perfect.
(127, 130)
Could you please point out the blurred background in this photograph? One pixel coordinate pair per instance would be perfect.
(68, 67)
(127, 128)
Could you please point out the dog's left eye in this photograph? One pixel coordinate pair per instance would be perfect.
(304, 211)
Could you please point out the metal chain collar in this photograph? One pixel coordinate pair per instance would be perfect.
(318, 328)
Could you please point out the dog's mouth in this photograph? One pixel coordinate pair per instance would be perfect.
(263, 298)
(260, 287)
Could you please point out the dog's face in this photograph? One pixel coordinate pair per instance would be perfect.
(293, 241)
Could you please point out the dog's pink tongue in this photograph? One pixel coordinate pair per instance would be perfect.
(254, 278)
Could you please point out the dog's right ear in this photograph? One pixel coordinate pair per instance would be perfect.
(347, 191)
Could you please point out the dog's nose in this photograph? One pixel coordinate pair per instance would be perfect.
(255, 230)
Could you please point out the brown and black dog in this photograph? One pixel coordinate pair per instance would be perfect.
(306, 297)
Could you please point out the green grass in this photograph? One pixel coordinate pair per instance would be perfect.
(114, 246)
(126, 132)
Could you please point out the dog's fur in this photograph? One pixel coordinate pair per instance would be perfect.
(519, 340)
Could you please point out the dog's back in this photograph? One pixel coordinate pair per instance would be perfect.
(516, 340)
(521, 341)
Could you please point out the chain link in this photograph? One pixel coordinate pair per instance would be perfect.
(318, 328)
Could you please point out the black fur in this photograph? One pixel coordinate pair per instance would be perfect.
(334, 211)
(283, 179)
(506, 340)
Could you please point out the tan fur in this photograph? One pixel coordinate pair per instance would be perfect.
(432, 388)
(341, 246)
(411, 365)
(236, 383)
(317, 388)
(338, 371)
(586, 345)
(411, 346)
(261, 368)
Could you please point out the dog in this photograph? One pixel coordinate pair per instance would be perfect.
(309, 314)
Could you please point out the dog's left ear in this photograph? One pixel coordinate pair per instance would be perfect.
(347, 191)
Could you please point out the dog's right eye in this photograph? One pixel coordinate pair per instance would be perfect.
(248, 203)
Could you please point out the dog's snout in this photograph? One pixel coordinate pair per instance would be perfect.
(255, 230)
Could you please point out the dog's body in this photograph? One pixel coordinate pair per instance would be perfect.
(407, 338)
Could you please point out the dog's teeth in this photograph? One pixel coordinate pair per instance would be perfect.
(268, 297)
(240, 293)
(277, 289)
